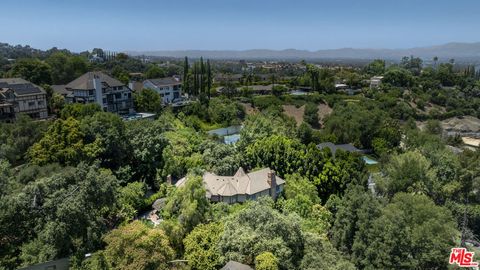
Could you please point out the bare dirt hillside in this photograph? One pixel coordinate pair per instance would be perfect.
(464, 124)
(323, 111)
(249, 109)
(296, 113)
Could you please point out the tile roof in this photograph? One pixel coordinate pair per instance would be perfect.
(240, 183)
(85, 82)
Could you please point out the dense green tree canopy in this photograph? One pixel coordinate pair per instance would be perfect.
(376, 67)
(15, 139)
(259, 228)
(55, 216)
(63, 143)
(33, 70)
(412, 232)
(411, 172)
(136, 246)
(398, 77)
(320, 254)
(360, 125)
(65, 68)
(222, 159)
(201, 246)
(154, 72)
(147, 100)
(266, 261)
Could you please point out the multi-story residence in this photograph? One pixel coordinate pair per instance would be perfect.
(97, 87)
(241, 186)
(19, 96)
(375, 81)
(169, 88)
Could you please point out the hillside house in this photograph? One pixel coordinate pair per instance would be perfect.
(241, 186)
(375, 81)
(19, 96)
(97, 87)
(169, 88)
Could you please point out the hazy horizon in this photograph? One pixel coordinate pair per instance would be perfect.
(237, 25)
(238, 50)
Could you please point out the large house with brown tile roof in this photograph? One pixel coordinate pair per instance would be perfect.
(241, 186)
(19, 96)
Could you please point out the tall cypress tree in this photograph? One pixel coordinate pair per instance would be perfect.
(186, 86)
(195, 78)
(202, 72)
(209, 78)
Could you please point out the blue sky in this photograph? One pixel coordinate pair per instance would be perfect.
(237, 24)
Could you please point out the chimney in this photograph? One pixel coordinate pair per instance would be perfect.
(272, 182)
(169, 179)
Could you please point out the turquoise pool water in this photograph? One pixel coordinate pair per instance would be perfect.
(231, 130)
(369, 161)
(298, 93)
(230, 134)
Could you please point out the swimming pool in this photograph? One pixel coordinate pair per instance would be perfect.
(369, 161)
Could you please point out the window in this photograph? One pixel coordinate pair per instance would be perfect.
(118, 95)
(104, 100)
(90, 92)
(40, 103)
(31, 103)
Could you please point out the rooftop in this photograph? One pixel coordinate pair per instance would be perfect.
(165, 81)
(20, 86)
(334, 147)
(240, 183)
(233, 265)
(85, 82)
(60, 89)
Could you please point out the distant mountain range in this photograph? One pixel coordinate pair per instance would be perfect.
(458, 51)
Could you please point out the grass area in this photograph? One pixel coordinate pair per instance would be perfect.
(351, 100)
(210, 126)
(374, 168)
